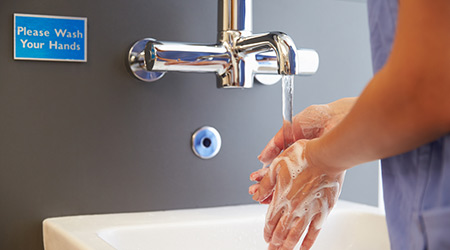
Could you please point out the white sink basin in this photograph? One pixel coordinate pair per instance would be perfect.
(349, 226)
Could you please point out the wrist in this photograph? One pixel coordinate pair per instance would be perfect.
(316, 156)
(343, 105)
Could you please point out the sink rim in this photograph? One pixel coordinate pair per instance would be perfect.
(84, 231)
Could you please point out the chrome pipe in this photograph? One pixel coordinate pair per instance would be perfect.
(183, 57)
(235, 15)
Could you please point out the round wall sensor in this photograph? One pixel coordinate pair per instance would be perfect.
(206, 142)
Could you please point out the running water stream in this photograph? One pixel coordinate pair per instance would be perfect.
(287, 106)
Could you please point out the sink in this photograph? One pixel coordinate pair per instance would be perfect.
(349, 226)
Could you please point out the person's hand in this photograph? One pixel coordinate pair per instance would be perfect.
(312, 122)
(301, 194)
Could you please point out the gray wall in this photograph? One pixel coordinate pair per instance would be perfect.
(83, 138)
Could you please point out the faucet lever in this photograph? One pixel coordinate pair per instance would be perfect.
(307, 64)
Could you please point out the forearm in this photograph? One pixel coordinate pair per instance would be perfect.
(406, 104)
(391, 116)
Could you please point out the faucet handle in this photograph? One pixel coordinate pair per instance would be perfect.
(308, 61)
(307, 64)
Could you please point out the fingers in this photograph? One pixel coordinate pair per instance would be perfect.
(281, 230)
(272, 218)
(272, 149)
(263, 190)
(286, 236)
(294, 234)
(259, 174)
(253, 188)
(312, 234)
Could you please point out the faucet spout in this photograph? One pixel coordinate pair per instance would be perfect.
(282, 44)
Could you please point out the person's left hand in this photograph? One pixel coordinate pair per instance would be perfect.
(300, 193)
(312, 122)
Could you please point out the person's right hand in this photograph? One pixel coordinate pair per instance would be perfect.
(304, 192)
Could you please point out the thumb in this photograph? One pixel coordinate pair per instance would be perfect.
(276, 144)
(267, 185)
(272, 149)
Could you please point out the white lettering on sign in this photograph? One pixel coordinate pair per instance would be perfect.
(27, 32)
(31, 45)
(64, 33)
(64, 46)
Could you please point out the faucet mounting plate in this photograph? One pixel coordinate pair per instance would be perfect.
(136, 60)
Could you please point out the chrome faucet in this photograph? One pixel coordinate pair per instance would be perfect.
(238, 56)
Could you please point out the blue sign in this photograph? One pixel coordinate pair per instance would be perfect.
(50, 38)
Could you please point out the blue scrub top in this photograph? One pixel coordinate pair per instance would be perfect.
(416, 184)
